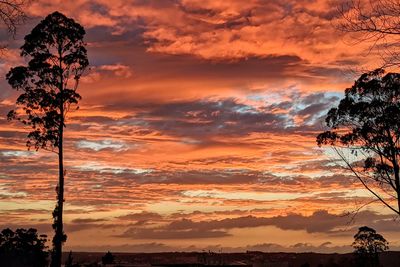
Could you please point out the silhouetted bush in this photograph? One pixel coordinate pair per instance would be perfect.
(22, 248)
(108, 258)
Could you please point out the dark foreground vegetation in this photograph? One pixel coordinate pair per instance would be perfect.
(249, 258)
(22, 248)
(26, 248)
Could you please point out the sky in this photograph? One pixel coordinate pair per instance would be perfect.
(196, 130)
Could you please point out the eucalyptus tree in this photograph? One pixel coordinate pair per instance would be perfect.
(367, 123)
(368, 244)
(57, 58)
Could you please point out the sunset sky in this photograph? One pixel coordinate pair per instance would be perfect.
(196, 130)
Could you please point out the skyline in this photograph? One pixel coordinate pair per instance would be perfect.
(197, 127)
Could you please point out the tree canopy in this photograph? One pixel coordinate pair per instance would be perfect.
(367, 246)
(57, 59)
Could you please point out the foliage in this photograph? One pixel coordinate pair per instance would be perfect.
(48, 83)
(22, 248)
(367, 121)
(367, 246)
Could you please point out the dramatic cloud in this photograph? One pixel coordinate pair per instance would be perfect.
(318, 222)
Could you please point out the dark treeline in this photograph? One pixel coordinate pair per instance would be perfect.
(23, 248)
(26, 248)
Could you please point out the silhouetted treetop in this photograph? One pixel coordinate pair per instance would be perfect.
(60, 33)
(370, 110)
(57, 59)
(368, 244)
(367, 240)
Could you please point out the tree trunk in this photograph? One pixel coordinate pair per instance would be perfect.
(60, 201)
(397, 184)
(59, 237)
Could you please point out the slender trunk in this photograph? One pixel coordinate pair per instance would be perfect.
(397, 183)
(398, 198)
(60, 201)
(396, 171)
(59, 232)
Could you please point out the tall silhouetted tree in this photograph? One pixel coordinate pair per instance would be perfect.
(22, 248)
(57, 59)
(368, 244)
(367, 122)
(376, 21)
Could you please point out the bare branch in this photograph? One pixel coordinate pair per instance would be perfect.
(12, 14)
(375, 21)
(351, 168)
